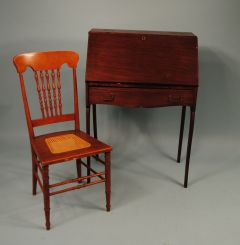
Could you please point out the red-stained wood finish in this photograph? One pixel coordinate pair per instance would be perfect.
(143, 69)
(46, 67)
(140, 57)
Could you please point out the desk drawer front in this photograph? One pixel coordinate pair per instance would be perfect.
(135, 97)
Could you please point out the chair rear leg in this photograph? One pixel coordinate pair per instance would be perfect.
(34, 172)
(108, 180)
(79, 169)
(46, 196)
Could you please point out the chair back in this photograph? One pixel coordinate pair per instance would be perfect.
(46, 67)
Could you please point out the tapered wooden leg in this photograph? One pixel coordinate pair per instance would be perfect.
(94, 121)
(34, 171)
(46, 196)
(79, 169)
(181, 133)
(88, 168)
(108, 179)
(88, 119)
(95, 124)
(190, 135)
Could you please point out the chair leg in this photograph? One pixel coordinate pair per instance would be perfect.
(34, 171)
(108, 180)
(181, 133)
(46, 196)
(190, 135)
(79, 169)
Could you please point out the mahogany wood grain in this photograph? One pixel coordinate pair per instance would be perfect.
(136, 56)
(46, 67)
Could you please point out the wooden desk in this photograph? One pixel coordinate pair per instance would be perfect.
(143, 69)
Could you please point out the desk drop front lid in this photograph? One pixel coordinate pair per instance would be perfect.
(169, 58)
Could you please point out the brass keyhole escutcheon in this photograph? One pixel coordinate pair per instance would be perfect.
(143, 38)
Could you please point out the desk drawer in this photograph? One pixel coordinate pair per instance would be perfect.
(141, 97)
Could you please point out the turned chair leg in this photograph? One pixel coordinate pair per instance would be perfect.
(181, 134)
(46, 196)
(108, 179)
(79, 169)
(34, 172)
(190, 135)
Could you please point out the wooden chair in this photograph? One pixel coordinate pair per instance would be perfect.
(54, 148)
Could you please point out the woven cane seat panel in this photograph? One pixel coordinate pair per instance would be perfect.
(65, 143)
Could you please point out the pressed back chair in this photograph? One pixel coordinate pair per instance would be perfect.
(54, 148)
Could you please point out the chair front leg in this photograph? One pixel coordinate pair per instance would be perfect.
(46, 196)
(108, 179)
(34, 172)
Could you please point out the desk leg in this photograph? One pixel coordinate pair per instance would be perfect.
(181, 133)
(190, 135)
(95, 124)
(88, 108)
(108, 179)
(94, 121)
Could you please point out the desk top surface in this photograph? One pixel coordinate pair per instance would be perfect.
(133, 32)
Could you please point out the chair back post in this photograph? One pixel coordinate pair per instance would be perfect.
(76, 109)
(26, 107)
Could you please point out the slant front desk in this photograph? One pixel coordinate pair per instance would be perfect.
(143, 69)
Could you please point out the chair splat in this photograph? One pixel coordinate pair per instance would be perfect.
(44, 93)
(54, 92)
(39, 93)
(49, 92)
(59, 92)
